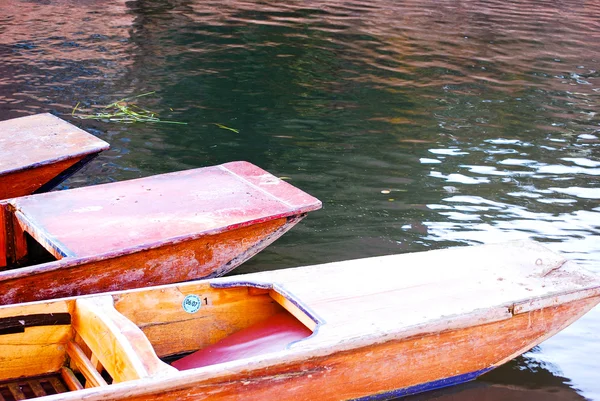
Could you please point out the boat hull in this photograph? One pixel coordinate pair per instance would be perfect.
(162, 229)
(39, 179)
(376, 372)
(203, 257)
(38, 152)
(404, 329)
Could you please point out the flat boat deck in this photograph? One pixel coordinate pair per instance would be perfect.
(37, 152)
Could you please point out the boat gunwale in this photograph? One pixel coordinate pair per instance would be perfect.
(72, 261)
(52, 161)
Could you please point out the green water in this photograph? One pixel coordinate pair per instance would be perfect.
(420, 125)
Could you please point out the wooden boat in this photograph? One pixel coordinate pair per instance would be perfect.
(156, 230)
(38, 152)
(414, 322)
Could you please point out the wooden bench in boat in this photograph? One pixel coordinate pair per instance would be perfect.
(40, 151)
(167, 228)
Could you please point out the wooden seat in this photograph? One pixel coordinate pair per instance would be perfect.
(271, 335)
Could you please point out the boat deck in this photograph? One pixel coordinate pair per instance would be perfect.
(113, 217)
(442, 289)
(44, 143)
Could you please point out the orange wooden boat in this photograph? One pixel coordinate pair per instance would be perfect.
(38, 152)
(156, 230)
(415, 322)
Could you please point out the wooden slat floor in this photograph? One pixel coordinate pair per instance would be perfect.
(31, 388)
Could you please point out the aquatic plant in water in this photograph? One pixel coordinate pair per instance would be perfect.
(124, 111)
(227, 128)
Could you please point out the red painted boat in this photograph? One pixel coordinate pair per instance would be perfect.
(156, 230)
(329, 332)
(38, 152)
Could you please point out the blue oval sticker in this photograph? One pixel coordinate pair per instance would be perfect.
(191, 303)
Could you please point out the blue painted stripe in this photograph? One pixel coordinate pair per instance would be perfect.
(420, 388)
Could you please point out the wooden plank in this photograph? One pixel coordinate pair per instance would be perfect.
(15, 324)
(141, 212)
(34, 150)
(71, 381)
(132, 356)
(36, 387)
(32, 336)
(3, 239)
(57, 384)
(78, 357)
(44, 238)
(37, 351)
(96, 363)
(42, 139)
(16, 392)
(272, 185)
(294, 310)
(41, 307)
(18, 239)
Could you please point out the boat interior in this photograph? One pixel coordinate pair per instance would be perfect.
(67, 345)
(20, 246)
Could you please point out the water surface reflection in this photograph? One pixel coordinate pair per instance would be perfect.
(420, 124)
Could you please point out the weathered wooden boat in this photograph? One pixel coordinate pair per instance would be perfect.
(156, 230)
(38, 152)
(330, 332)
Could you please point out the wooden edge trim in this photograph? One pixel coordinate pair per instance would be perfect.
(20, 244)
(69, 171)
(18, 323)
(78, 357)
(52, 245)
(3, 237)
(294, 310)
(72, 382)
(554, 300)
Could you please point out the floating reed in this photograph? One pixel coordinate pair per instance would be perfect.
(123, 111)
